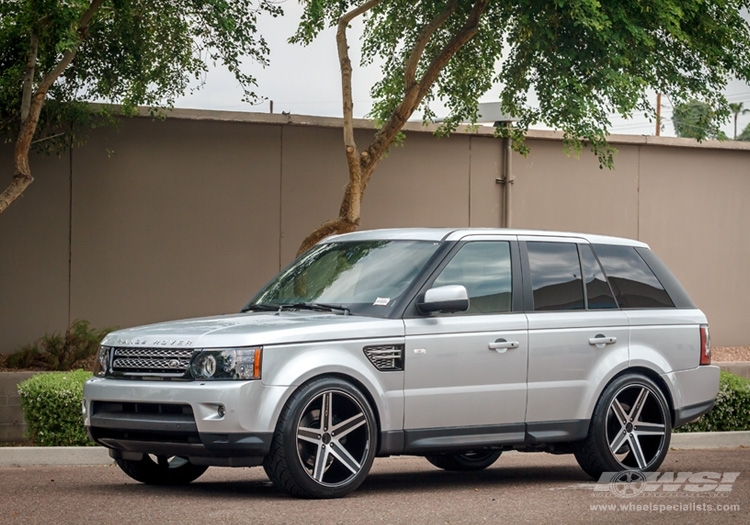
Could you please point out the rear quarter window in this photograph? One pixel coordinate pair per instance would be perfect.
(634, 283)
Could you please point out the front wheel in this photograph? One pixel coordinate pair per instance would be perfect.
(630, 429)
(161, 470)
(325, 441)
(465, 461)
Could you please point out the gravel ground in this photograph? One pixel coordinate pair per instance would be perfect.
(723, 354)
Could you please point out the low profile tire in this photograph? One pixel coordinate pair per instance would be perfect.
(161, 470)
(325, 441)
(630, 429)
(465, 461)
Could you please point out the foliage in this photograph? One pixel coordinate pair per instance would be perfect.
(52, 408)
(581, 59)
(695, 119)
(56, 55)
(60, 351)
(566, 64)
(745, 135)
(732, 408)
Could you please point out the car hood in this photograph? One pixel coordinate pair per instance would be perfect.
(251, 329)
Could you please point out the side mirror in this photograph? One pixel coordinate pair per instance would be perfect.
(450, 298)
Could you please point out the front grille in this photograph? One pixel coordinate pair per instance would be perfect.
(166, 362)
(386, 358)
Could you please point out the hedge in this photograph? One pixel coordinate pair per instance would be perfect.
(51, 405)
(731, 411)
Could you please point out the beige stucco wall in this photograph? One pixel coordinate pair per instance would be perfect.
(189, 216)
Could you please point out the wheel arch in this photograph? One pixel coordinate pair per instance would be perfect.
(654, 376)
(379, 388)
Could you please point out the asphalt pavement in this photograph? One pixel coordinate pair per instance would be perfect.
(708, 486)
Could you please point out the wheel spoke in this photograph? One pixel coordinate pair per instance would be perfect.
(635, 449)
(619, 412)
(321, 459)
(649, 429)
(311, 435)
(343, 428)
(339, 452)
(635, 413)
(619, 440)
(327, 407)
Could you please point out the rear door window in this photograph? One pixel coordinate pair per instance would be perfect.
(633, 282)
(556, 281)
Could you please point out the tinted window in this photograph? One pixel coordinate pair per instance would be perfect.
(555, 276)
(483, 267)
(598, 293)
(366, 276)
(633, 282)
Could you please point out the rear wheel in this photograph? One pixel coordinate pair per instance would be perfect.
(630, 430)
(465, 461)
(161, 470)
(325, 440)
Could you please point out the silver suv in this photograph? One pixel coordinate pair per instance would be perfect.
(452, 344)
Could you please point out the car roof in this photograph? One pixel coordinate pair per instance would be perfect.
(457, 234)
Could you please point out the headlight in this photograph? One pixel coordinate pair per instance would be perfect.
(102, 361)
(226, 363)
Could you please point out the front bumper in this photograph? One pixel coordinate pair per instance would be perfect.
(218, 423)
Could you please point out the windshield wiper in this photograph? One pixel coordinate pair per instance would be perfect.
(262, 307)
(318, 307)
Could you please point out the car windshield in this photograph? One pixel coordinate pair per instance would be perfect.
(365, 277)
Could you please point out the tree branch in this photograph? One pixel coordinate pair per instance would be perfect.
(417, 91)
(410, 69)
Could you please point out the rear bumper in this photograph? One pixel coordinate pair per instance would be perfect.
(685, 415)
(694, 392)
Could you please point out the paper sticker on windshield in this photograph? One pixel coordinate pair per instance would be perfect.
(382, 301)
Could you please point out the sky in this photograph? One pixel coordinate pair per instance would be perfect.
(306, 81)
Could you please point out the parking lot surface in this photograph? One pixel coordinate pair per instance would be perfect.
(693, 486)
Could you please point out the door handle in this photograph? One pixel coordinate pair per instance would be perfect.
(601, 340)
(501, 345)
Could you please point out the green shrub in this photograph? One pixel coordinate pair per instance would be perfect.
(731, 411)
(60, 351)
(51, 405)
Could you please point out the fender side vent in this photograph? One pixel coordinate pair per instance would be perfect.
(389, 358)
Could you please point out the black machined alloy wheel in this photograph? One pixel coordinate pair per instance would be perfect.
(161, 470)
(465, 461)
(630, 430)
(325, 440)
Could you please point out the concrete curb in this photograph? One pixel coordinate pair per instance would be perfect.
(710, 440)
(28, 456)
(31, 456)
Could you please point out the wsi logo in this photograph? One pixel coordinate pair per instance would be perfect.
(631, 483)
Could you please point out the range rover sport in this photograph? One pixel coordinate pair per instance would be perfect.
(452, 344)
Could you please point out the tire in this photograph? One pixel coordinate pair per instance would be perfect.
(465, 461)
(322, 457)
(630, 429)
(164, 471)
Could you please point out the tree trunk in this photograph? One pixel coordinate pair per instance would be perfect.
(362, 165)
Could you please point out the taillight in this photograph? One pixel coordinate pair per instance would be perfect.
(705, 345)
